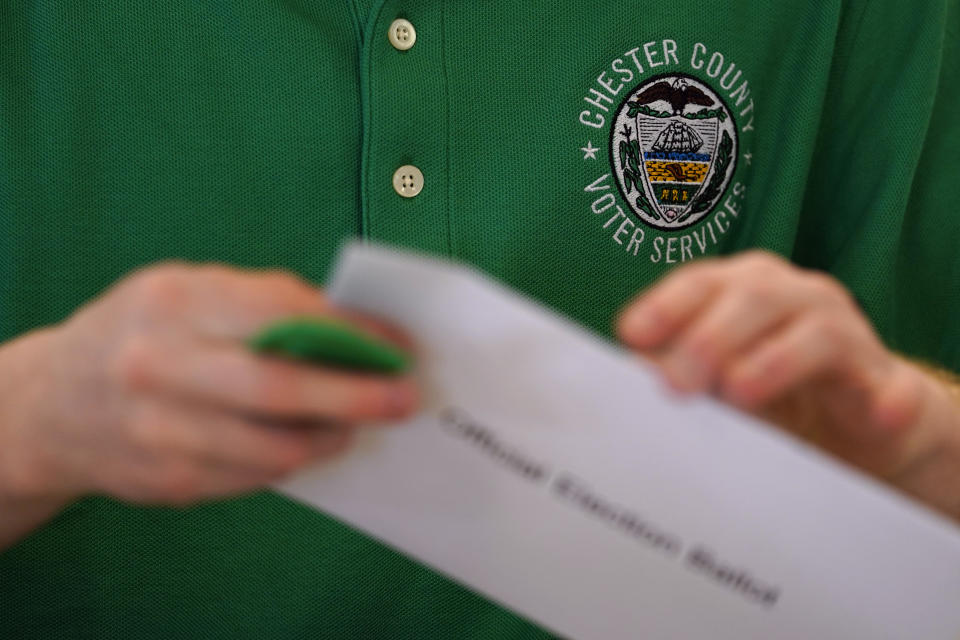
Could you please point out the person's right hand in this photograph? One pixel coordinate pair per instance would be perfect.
(149, 394)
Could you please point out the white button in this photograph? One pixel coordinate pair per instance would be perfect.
(402, 34)
(408, 181)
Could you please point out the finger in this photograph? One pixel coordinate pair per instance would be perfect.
(375, 327)
(735, 319)
(268, 296)
(220, 480)
(186, 483)
(216, 438)
(899, 401)
(788, 359)
(235, 379)
(224, 303)
(217, 300)
(664, 310)
(235, 304)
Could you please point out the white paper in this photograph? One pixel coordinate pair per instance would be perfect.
(551, 473)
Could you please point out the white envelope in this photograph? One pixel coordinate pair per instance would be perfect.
(551, 473)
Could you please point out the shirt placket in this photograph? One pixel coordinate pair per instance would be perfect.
(405, 142)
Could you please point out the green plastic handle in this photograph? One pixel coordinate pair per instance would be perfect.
(329, 343)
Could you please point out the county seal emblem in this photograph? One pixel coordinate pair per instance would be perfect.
(674, 150)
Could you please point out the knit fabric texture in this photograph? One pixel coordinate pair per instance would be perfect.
(264, 134)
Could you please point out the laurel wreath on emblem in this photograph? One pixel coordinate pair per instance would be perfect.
(635, 108)
(716, 183)
(630, 154)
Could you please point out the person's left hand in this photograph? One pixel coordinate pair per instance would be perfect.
(788, 345)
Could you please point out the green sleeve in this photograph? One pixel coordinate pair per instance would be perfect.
(882, 205)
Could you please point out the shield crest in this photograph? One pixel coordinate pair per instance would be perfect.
(674, 150)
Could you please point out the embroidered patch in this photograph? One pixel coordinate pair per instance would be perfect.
(673, 148)
(668, 149)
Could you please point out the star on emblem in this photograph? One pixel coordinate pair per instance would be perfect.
(589, 151)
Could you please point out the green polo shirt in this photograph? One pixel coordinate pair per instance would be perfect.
(575, 150)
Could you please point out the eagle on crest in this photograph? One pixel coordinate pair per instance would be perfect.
(679, 95)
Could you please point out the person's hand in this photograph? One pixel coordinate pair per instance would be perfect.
(148, 394)
(791, 346)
